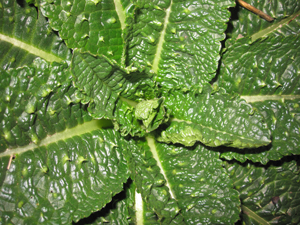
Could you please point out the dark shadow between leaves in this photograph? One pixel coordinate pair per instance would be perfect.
(104, 212)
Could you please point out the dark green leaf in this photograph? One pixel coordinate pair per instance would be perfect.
(25, 35)
(283, 118)
(179, 40)
(65, 180)
(269, 195)
(200, 184)
(35, 102)
(88, 25)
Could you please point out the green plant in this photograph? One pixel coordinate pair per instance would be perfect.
(132, 112)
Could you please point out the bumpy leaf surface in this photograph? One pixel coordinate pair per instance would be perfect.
(35, 102)
(63, 181)
(91, 25)
(266, 73)
(249, 23)
(152, 113)
(283, 118)
(180, 40)
(269, 195)
(266, 67)
(150, 182)
(119, 211)
(25, 34)
(101, 82)
(214, 118)
(200, 184)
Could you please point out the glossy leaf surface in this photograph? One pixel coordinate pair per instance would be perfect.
(37, 101)
(213, 118)
(269, 195)
(199, 184)
(89, 25)
(63, 181)
(25, 35)
(179, 40)
(283, 118)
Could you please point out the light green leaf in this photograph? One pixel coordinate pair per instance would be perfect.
(179, 40)
(25, 35)
(213, 118)
(283, 118)
(269, 195)
(152, 113)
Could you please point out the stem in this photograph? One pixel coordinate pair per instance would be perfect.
(255, 10)
(139, 209)
(121, 13)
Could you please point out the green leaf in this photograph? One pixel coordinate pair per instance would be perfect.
(119, 211)
(250, 24)
(283, 118)
(179, 40)
(90, 25)
(150, 182)
(269, 195)
(102, 83)
(25, 35)
(213, 118)
(266, 67)
(37, 101)
(152, 113)
(65, 180)
(200, 184)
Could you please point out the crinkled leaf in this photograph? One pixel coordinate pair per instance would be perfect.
(269, 80)
(119, 211)
(91, 25)
(269, 195)
(150, 182)
(248, 23)
(283, 118)
(37, 101)
(213, 118)
(179, 40)
(200, 184)
(152, 113)
(266, 67)
(102, 82)
(25, 35)
(65, 180)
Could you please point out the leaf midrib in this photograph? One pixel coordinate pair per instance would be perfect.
(151, 144)
(212, 129)
(275, 26)
(31, 49)
(260, 98)
(254, 216)
(161, 40)
(67, 133)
